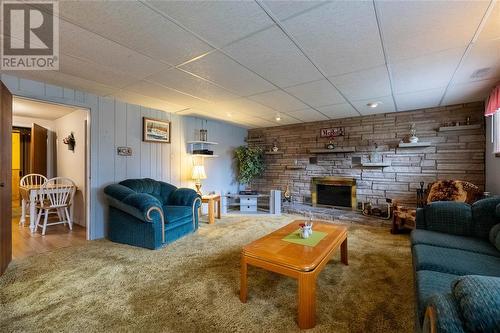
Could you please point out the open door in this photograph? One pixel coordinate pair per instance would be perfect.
(5, 177)
(38, 150)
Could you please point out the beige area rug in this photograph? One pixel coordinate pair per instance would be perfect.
(192, 286)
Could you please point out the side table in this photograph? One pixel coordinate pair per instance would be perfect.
(211, 200)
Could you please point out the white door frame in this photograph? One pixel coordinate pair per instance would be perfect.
(88, 147)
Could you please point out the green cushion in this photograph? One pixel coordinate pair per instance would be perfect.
(495, 236)
(485, 216)
(478, 298)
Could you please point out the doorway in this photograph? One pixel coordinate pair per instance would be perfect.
(41, 144)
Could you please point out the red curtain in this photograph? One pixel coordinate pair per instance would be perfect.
(493, 104)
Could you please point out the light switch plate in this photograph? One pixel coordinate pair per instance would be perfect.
(124, 151)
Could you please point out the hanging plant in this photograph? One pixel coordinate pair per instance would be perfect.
(250, 163)
(70, 141)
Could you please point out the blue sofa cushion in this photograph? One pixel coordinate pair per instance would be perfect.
(454, 261)
(478, 298)
(485, 216)
(430, 283)
(447, 314)
(174, 214)
(495, 236)
(419, 236)
(159, 190)
(448, 217)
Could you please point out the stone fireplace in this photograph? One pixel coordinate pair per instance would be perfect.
(339, 192)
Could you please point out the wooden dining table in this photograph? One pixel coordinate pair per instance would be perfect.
(30, 193)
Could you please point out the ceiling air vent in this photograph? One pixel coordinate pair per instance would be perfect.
(480, 73)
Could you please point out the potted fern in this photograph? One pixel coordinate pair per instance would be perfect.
(250, 163)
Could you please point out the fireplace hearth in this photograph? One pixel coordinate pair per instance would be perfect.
(339, 192)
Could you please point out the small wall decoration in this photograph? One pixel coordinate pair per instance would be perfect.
(154, 130)
(70, 141)
(124, 151)
(331, 132)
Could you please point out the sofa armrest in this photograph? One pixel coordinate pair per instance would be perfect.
(420, 219)
(142, 206)
(449, 217)
(184, 197)
(442, 315)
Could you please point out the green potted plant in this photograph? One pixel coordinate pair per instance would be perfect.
(250, 163)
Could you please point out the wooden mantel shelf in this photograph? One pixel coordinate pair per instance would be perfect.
(295, 167)
(375, 164)
(337, 150)
(459, 127)
(273, 153)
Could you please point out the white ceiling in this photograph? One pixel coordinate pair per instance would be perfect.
(23, 107)
(246, 61)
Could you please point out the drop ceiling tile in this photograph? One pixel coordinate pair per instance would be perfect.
(428, 26)
(419, 99)
(287, 9)
(245, 106)
(147, 101)
(136, 26)
(219, 22)
(192, 85)
(430, 71)
(483, 55)
(340, 37)
(316, 93)
(226, 72)
(308, 115)
(468, 92)
(491, 29)
(285, 119)
(273, 56)
(386, 105)
(81, 43)
(279, 101)
(163, 93)
(93, 72)
(364, 84)
(338, 111)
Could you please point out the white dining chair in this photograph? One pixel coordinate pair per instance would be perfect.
(29, 180)
(55, 195)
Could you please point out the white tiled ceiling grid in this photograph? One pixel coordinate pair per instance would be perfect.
(245, 62)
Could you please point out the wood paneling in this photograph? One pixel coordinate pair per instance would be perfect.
(5, 177)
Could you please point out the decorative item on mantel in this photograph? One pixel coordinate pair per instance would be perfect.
(275, 146)
(375, 156)
(287, 195)
(413, 133)
(70, 141)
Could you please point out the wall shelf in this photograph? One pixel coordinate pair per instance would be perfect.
(295, 167)
(254, 140)
(459, 128)
(204, 155)
(337, 150)
(375, 164)
(273, 153)
(414, 145)
(202, 143)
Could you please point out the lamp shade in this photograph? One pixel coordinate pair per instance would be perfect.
(198, 172)
(493, 104)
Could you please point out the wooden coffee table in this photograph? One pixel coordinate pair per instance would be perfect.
(301, 262)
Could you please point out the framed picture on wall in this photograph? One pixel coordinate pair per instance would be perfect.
(155, 130)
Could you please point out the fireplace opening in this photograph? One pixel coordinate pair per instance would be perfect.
(334, 195)
(334, 192)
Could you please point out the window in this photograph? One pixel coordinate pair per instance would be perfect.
(496, 132)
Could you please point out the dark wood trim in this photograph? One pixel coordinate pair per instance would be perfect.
(144, 119)
(5, 177)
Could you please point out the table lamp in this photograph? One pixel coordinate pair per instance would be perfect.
(197, 174)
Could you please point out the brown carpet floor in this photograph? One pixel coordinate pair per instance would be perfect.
(192, 286)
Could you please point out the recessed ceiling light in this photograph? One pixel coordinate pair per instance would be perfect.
(373, 104)
(229, 114)
(278, 117)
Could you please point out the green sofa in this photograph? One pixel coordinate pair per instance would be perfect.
(457, 246)
(150, 213)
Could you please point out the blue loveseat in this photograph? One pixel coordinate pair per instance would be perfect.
(456, 261)
(150, 213)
